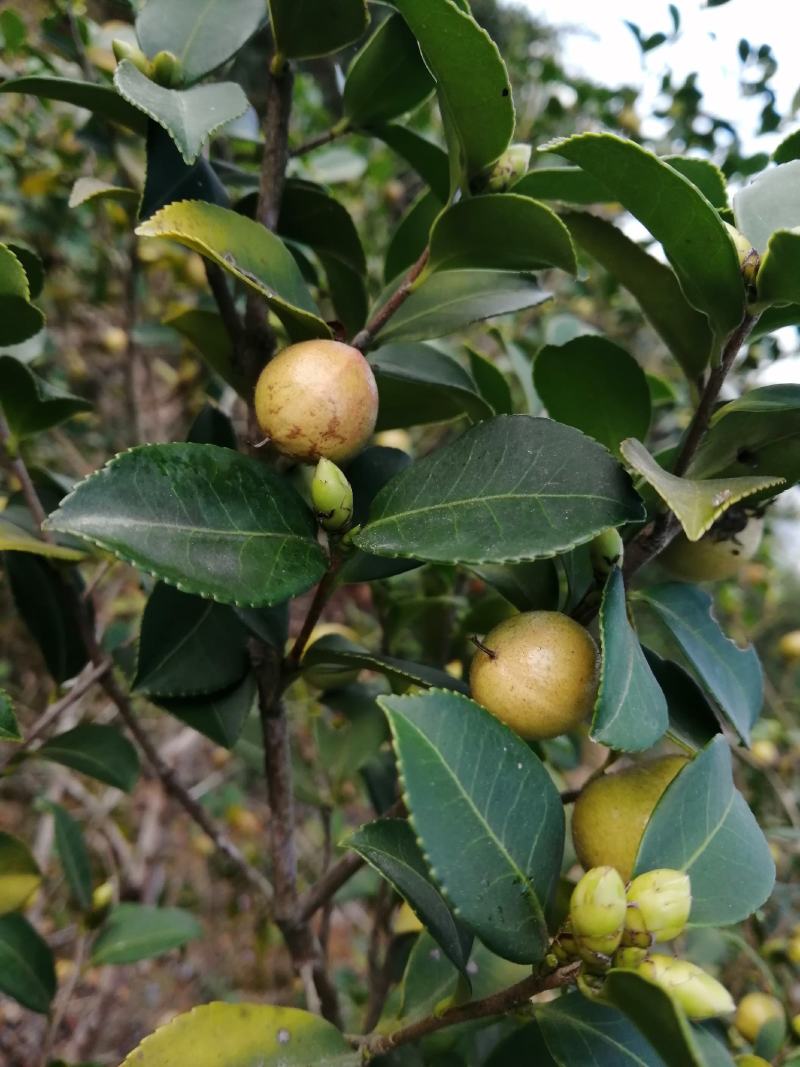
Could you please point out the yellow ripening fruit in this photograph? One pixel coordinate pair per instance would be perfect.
(114, 340)
(597, 912)
(754, 1011)
(700, 995)
(606, 552)
(399, 439)
(332, 496)
(789, 645)
(611, 813)
(317, 398)
(715, 556)
(537, 672)
(748, 1059)
(659, 903)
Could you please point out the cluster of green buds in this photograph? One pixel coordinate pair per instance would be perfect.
(332, 497)
(597, 911)
(164, 68)
(508, 169)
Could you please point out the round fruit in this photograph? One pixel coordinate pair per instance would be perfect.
(700, 995)
(611, 813)
(317, 398)
(114, 340)
(789, 645)
(715, 556)
(756, 1010)
(537, 672)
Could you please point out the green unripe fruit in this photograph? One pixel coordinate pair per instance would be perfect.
(606, 552)
(124, 50)
(755, 1010)
(332, 496)
(166, 69)
(509, 168)
(659, 903)
(597, 911)
(628, 957)
(700, 995)
(715, 556)
(749, 1060)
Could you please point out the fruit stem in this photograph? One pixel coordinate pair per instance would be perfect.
(484, 648)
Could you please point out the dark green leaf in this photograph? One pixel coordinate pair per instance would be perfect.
(569, 184)
(788, 149)
(769, 203)
(387, 77)
(528, 586)
(730, 675)
(510, 489)
(595, 386)
(270, 624)
(677, 214)
(704, 174)
(206, 331)
(418, 384)
(580, 1032)
(19, 319)
(683, 330)
(190, 116)
(500, 231)
(99, 751)
(631, 711)
(202, 36)
(27, 969)
(307, 28)
(427, 159)
(9, 727)
(488, 816)
(702, 825)
(168, 178)
(390, 846)
(492, 383)
(777, 277)
(31, 264)
(411, 235)
(29, 404)
(350, 738)
(100, 99)
(138, 932)
(71, 849)
(690, 714)
(20, 876)
(336, 651)
(209, 520)
(218, 716)
(525, 1047)
(212, 427)
(250, 252)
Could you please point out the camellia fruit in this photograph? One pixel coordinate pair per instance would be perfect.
(606, 552)
(537, 672)
(700, 995)
(317, 398)
(716, 556)
(755, 1010)
(332, 497)
(611, 813)
(659, 903)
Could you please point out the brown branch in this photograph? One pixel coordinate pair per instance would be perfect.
(321, 596)
(323, 890)
(364, 338)
(318, 142)
(16, 464)
(496, 1004)
(225, 303)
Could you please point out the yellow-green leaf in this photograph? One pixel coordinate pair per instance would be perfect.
(19, 873)
(14, 539)
(696, 504)
(87, 189)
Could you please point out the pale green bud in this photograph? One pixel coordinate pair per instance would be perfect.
(606, 552)
(509, 168)
(565, 946)
(597, 910)
(659, 903)
(332, 496)
(124, 50)
(628, 957)
(700, 995)
(166, 69)
(749, 259)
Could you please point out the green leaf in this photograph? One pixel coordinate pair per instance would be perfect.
(14, 539)
(691, 232)
(351, 737)
(409, 239)
(304, 29)
(19, 319)
(242, 1035)
(777, 276)
(788, 149)
(730, 675)
(101, 752)
(658, 1017)
(631, 711)
(387, 77)
(682, 328)
(568, 184)
(471, 82)
(71, 849)
(528, 586)
(696, 504)
(333, 650)
(138, 932)
(189, 646)
(758, 434)
(19, 873)
(578, 1031)
(390, 846)
(510, 489)
(703, 826)
(211, 426)
(27, 970)
(524, 1045)
(168, 178)
(190, 116)
(29, 404)
(209, 520)
(101, 100)
(202, 36)
(206, 331)
(500, 231)
(249, 252)
(87, 190)
(691, 717)
(489, 819)
(770, 202)
(705, 175)
(31, 264)
(218, 716)
(595, 386)
(418, 384)
(427, 159)
(492, 383)
(452, 299)
(9, 727)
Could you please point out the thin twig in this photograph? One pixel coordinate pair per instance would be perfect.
(225, 302)
(320, 599)
(64, 998)
(378, 977)
(364, 337)
(16, 465)
(319, 142)
(323, 890)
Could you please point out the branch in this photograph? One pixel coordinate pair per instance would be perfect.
(324, 138)
(224, 300)
(364, 337)
(16, 465)
(321, 597)
(496, 1004)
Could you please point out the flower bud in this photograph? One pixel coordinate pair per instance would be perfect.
(606, 552)
(564, 945)
(124, 50)
(628, 957)
(166, 69)
(509, 168)
(659, 903)
(749, 259)
(755, 1010)
(597, 910)
(700, 995)
(332, 496)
